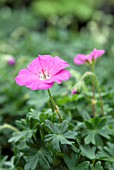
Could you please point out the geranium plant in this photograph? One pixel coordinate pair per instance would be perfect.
(62, 137)
(90, 60)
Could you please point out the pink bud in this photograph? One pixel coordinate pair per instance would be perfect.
(73, 92)
(11, 61)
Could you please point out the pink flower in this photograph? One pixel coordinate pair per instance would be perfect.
(42, 72)
(82, 58)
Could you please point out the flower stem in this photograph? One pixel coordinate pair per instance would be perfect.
(8, 126)
(101, 101)
(93, 91)
(56, 108)
(100, 96)
(78, 158)
(93, 162)
(96, 82)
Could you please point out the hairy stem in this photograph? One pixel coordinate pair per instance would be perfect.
(101, 101)
(93, 92)
(56, 108)
(96, 83)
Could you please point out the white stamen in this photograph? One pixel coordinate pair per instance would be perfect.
(44, 75)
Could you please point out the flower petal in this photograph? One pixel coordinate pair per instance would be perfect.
(58, 65)
(46, 61)
(95, 54)
(80, 59)
(49, 63)
(62, 75)
(28, 79)
(42, 72)
(35, 66)
(45, 86)
(32, 81)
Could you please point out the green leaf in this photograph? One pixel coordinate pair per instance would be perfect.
(50, 126)
(107, 152)
(102, 123)
(90, 138)
(60, 135)
(97, 129)
(105, 132)
(98, 166)
(21, 135)
(41, 159)
(89, 152)
(56, 140)
(89, 125)
(96, 121)
(34, 114)
(70, 134)
(83, 166)
(2, 161)
(64, 127)
(71, 163)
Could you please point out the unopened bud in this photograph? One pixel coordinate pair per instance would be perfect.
(11, 61)
(73, 91)
(78, 87)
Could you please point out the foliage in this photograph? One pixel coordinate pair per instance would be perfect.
(33, 152)
(82, 9)
(82, 141)
(95, 129)
(60, 135)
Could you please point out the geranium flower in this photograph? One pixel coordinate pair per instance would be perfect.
(82, 58)
(42, 72)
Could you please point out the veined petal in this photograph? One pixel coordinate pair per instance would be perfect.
(42, 72)
(62, 75)
(35, 66)
(28, 79)
(38, 85)
(58, 65)
(45, 86)
(46, 61)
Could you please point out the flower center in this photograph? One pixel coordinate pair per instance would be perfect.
(44, 75)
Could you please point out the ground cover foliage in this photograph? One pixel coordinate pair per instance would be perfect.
(81, 141)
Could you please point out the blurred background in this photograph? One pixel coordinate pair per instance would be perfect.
(56, 27)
